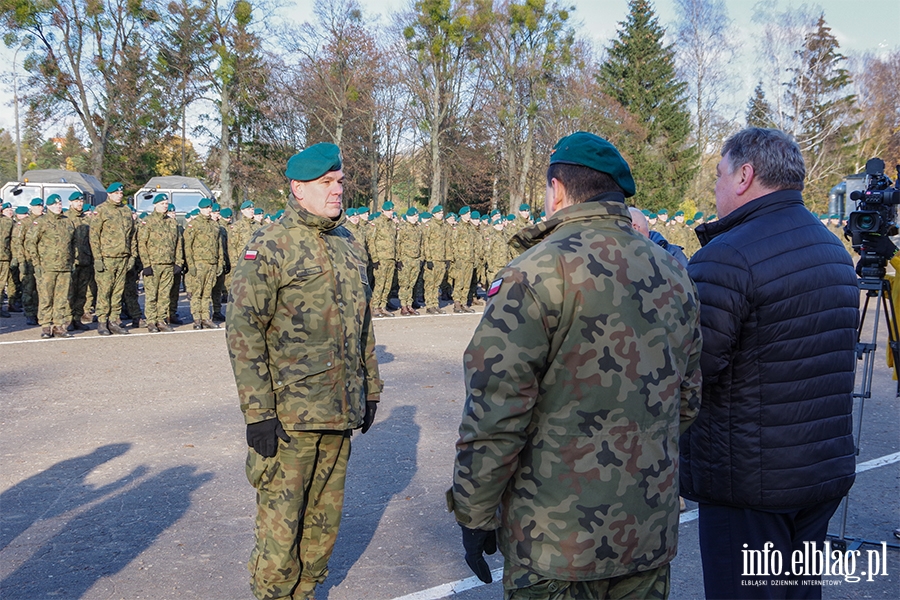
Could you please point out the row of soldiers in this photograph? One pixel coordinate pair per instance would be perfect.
(55, 263)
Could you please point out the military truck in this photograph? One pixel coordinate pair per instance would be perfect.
(42, 183)
(183, 192)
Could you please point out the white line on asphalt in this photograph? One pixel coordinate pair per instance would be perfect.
(100, 337)
(450, 589)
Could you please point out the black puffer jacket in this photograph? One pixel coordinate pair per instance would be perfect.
(779, 309)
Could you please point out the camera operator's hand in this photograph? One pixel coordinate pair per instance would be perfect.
(880, 245)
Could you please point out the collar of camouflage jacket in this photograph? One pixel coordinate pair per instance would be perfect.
(295, 215)
(609, 204)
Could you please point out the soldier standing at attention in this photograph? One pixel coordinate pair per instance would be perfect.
(17, 264)
(220, 289)
(49, 244)
(464, 244)
(383, 249)
(579, 376)
(239, 235)
(6, 229)
(409, 266)
(203, 251)
(435, 250)
(26, 265)
(83, 268)
(114, 247)
(302, 348)
(158, 247)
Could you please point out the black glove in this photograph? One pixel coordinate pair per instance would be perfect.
(147, 271)
(263, 437)
(178, 269)
(376, 263)
(430, 265)
(447, 263)
(227, 270)
(477, 543)
(399, 265)
(880, 245)
(371, 407)
(184, 270)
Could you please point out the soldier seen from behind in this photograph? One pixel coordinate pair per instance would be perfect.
(579, 377)
(302, 347)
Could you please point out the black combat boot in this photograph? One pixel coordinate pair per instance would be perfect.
(102, 329)
(117, 328)
(46, 334)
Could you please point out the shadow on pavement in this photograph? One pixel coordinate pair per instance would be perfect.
(371, 485)
(57, 490)
(102, 540)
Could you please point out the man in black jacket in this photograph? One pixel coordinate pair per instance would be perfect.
(771, 453)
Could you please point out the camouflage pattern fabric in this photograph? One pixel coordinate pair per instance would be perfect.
(26, 267)
(50, 244)
(53, 298)
(113, 232)
(383, 252)
(6, 229)
(111, 288)
(409, 250)
(219, 286)
(158, 244)
(205, 257)
(130, 291)
(435, 247)
(301, 486)
(521, 584)
(464, 244)
(83, 273)
(177, 277)
(584, 364)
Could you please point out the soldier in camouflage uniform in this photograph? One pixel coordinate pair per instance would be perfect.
(26, 263)
(579, 376)
(177, 272)
(220, 288)
(302, 347)
(435, 250)
(49, 243)
(83, 268)
(464, 244)
(158, 244)
(114, 247)
(238, 235)
(382, 242)
(6, 229)
(17, 264)
(409, 264)
(204, 254)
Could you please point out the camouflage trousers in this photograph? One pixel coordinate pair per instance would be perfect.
(14, 284)
(217, 291)
(110, 287)
(434, 277)
(463, 289)
(174, 292)
(299, 499)
(29, 290)
(82, 277)
(130, 294)
(384, 279)
(4, 278)
(520, 583)
(407, 277)
(53, 293)
(202, 279)
(157, 288)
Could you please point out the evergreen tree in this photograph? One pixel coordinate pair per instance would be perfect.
(824, 113)
(759, 111)
(640, 74)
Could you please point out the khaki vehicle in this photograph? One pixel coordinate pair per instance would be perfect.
(42, 183)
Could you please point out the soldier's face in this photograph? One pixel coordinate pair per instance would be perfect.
(8, 212)
(206, 211)
(115, 197)
(161, 207)
(248, 213)
(56, 209)
(76, 204)
(36, 210)
(322, 197)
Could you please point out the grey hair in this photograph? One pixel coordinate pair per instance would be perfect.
(774, 155)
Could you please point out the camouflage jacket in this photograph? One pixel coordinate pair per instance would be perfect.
(6, 230)
(585, 362)
(497, 254)
(223, 240)
(382, 240)
(49, 243)
(465, 241)
(434, 241)
(238, 236)
(299, 329)
(203, 242)
(82, 223)
(158, 240)
(409, 242)
(17, 245)
(113, 232)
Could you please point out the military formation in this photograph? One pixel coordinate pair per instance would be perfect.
(66, 269)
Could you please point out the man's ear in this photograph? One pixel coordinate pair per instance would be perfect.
(557, 196)
(297, 189)
(748, 175)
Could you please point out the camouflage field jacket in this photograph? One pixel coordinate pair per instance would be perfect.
(582, 369)
(299, 328)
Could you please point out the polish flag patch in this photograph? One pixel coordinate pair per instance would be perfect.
(495, 287)
(250, 255)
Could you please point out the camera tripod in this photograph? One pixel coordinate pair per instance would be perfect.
(880, 289)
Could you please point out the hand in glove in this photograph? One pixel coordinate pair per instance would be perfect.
(147, 271)
(371, 407)
(263, 437)
(880, 245)
(477, 543)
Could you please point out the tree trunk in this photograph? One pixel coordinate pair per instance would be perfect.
(224, 150)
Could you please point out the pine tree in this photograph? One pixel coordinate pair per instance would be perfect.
(640, 74)
(759, 111)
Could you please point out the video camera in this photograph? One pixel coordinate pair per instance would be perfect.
(875, 220)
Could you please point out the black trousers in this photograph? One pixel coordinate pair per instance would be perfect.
(728, 537)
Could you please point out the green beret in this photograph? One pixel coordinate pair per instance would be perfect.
(226, 213)
(36, 202)
(76, 196)
(216, 207)
(453, 216)
(680, 213)
(645, 211)
(510, 217)
(5, 205)
(524, 207)
(160, 198)
(194, 212)
(592, 151)
(412, 212)
(712, 217)
(350, 212)
(425, 215)
(689, 222)
(278, 214)
(21, 210)
(204, 203)
(464, 210)
(114, 187)
(698, 215)
(662, 211)
(387, 205)
(475, 214)
(257, 211)
(653, 216)
(246, 204)
(437, 209)
(374, 216)
(170, 208)
(362, 210)
(53, 199)
(312, 163)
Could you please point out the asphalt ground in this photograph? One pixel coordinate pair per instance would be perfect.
(122, 472)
